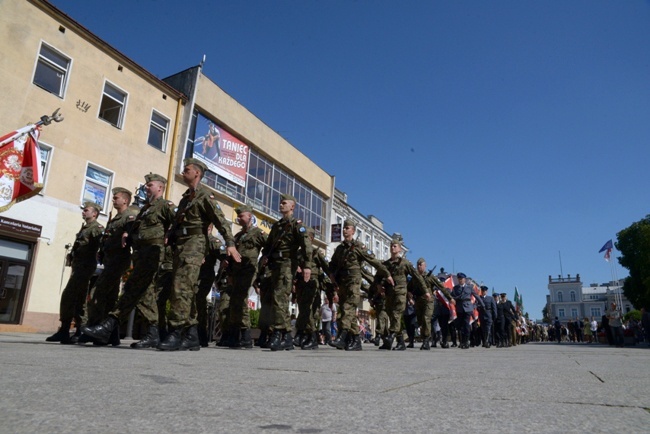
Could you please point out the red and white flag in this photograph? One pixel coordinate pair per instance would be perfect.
(20, 166)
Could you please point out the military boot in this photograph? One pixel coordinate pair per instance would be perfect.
(377, 340)
(172, 341)
(276, 340)
(233, 337)
(312, 342)
(287, 341)
(297, 341)
(150, 340)
(246, 339)
(263, 340)
(103, 333)
(62, 333)
(223, 341)
(426, 344)
(411, 343)
(307, 341)
(355, 344)
(190, 339)
(203, 336)
(388, 342)
(340, 341)
(401, 345)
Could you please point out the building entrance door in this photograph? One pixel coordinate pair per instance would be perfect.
(15, 258)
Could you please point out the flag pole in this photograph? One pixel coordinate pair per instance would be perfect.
(45, 120)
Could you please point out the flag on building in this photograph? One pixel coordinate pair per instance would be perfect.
(20, 166)
(607, 248)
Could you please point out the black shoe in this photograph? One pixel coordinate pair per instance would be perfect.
(263, 341)
(61, 334)
(401, 346)
(203, 336)
(444, 345)
(246, 339)
(311, 343)
(150, 340)
(287, 342)
(190, 339)
(426, 345)
(297, 340)
(454, 345)
(83, 339)
(377, 340)
(276, 341)
(103, 332)
(410, 345)
(340, 340)
(355, 344)
(172, 342)
(388, 342)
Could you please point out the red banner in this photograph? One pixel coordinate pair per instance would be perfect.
(20, 166)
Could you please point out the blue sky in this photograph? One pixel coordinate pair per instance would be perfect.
(492, 135)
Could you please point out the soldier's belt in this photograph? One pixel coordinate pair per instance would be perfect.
(151, 242)
(281, 254)
(184, 232)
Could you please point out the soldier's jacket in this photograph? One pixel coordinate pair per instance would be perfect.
(216, 251)
(321, 268)
(400, 269)
(151, 223)
(86, 244)
(289, 239)
(112, 239)
(248, 244)
(348, 258)
(196, 210)
(432, 283)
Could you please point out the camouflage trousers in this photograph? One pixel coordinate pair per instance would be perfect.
(188, 257)
(266, 300)
(349, 296)
(200, 308)
(382, 321)
(424, 312)
(104, 293)
(395, 306)
(282, 282)
(74, 294)
(308, 296)
(224, 308)
(140, 288)
(239, 311)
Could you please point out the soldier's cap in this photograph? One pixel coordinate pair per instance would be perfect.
(421, 261)
(461, 275)
(89, 204)
(198, 163)
(396, 241)
(287, 196)
(155, 177)
(484, 288)
(122, 190)
(494, 294)
(349, 222)
(244, 208)
(503, 294)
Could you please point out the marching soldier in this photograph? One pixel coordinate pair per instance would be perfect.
(424, 301)
(345, 269)
(462, 293)
(147, 236)
(196, 210)
(488, 315)
(83, 260)
(287, 248)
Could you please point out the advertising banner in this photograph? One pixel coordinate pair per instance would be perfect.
(223, 153)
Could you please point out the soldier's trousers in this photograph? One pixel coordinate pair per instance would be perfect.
(486, 329)
(349, 296)
(200, 308)
(239, 311)
(224, 308)
(160, 295)
(443, 322)
(103, 294)
(513, 333)
(308, 297)
(141, 284)
(282, 273)
(464, 325)
(395, 305)
(266, 300)
(424, 311)
(74, 294)
(188, 257)
(382, 322)
(502, 333)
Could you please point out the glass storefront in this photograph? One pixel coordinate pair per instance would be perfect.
(15, 258)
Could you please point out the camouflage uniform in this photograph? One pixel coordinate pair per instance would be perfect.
(424, 307)
(308, 296)
(196, 210)
(116, 260)
(216, 252)
(84, 264)
(266, 308)
(346, 264)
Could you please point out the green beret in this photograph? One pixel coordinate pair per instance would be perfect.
(396, 241)
(155, 177)
(349, 222)
(421, 261)
(198, 163)
(244, 208)
(93, 205)
(122, 190)
(287, 196)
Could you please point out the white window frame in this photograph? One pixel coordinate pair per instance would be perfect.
(596, 312)
(48, 62)
(560, 312)
(122, 118)
(153, 124)
(574, 312)
(46, 167)
(108, 196)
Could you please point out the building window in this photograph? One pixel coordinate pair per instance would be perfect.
(595, 312)
(46, 156)
(574, 313)
(559, 297)
(158, 128)
(572, 295)
(113, 105)
(97, 184)
(560, 313)
(52, 70)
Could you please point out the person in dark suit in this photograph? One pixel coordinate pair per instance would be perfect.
(488, 315)
(462, 293)
(510, 315)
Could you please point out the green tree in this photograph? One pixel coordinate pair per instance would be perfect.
(545, 317)
(634, 245)
(633, 314)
